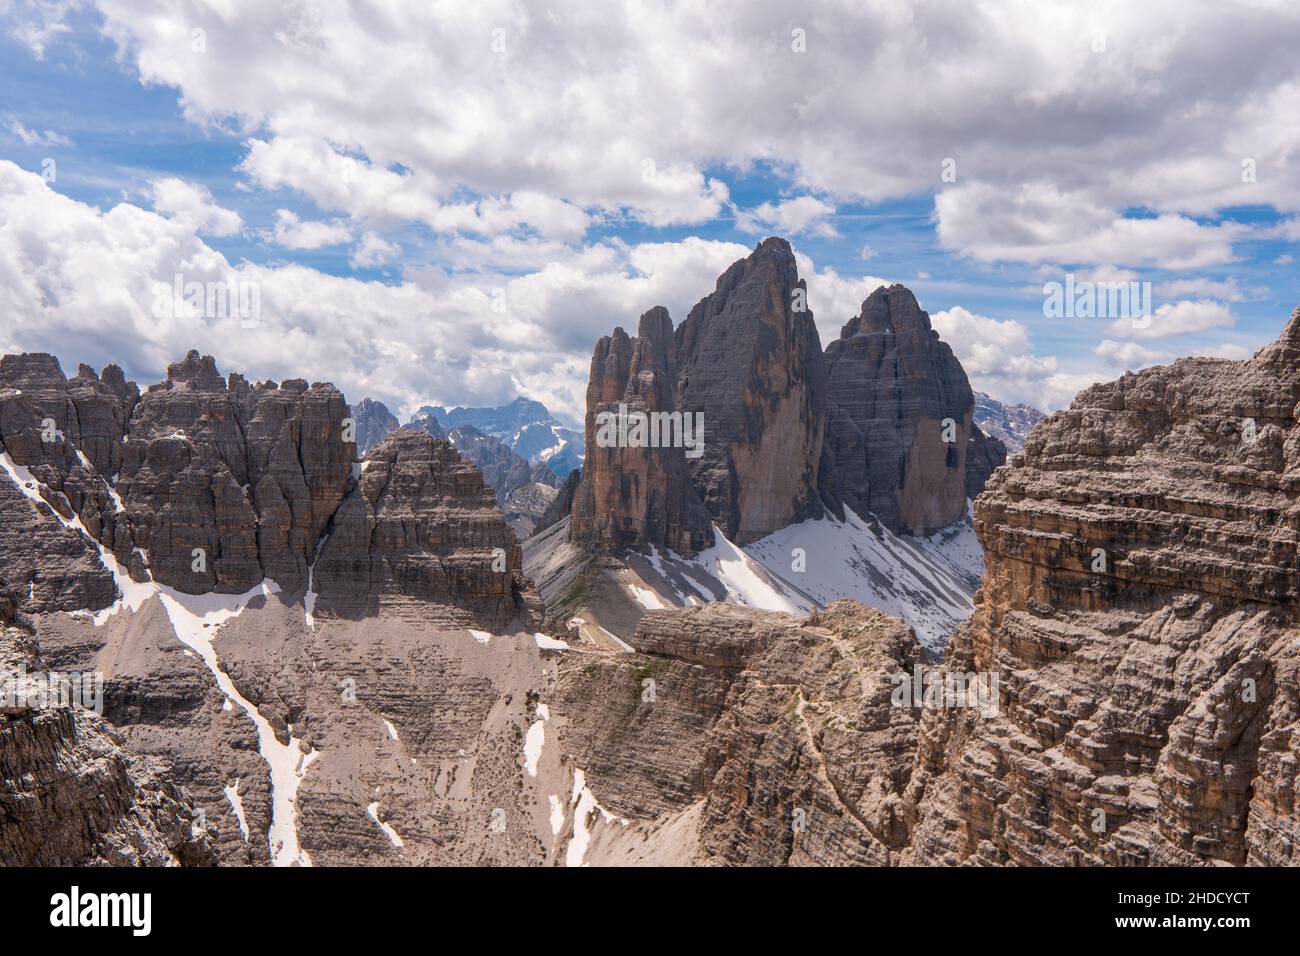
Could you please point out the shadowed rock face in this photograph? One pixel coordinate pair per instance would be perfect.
(893, 384)
(1140, 601)
(985, 454)
(629, 496)
(250, 474)
(750, 360)
(70, 795)
(420, 526)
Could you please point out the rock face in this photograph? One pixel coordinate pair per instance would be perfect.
(900, 418)
(774, 736)
(561, 505)
(420, 527)
(247, 474)
(387, 594)
(1140, 601)
(750, 361)
(984, 455)
(426, 420)
(632, 494)
(525, 426)
(70, 795)
(373, 421)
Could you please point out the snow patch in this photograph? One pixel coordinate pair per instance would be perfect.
(393, 838)
(236, 804)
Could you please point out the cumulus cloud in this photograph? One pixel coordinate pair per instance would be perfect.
(191, 205)
(373, 250)
(626, 107)
(791, 217)
(86, 282)
(1000, 360)
(1129, 355)
(294, 233)
(1175, 318)
(1037, 222)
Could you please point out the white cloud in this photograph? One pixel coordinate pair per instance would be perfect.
(35, 138)
(1036, 222)
(84, 282)
(999, 360)
(373, 250)
(1128, 355)
(803, 214)
(1177, 318)
(293, 233)
(624, 108)
(1226, 289)
(193, 207)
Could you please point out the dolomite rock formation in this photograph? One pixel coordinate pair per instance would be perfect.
(1140, 600)
(501, 468)
(892, 385)
(772, 737)
(70, 795)
(421, 526)
(749, 359)
(373, 421)
(630, 497)
(412, 615)
(249, 474)
(562, 505)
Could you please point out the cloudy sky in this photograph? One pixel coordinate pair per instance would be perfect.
(448, 202)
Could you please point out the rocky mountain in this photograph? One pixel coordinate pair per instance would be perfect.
(1010, 424)
(523, 490)
(900, 416)
(900, 452)
(1140, 602)
(1123, 694)
(426, 420)
(382, 619)
(373, 421)
(631, 493)
(750, 362)
(526, 427)
(119, 809)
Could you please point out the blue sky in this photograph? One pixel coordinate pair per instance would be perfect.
(469, 173)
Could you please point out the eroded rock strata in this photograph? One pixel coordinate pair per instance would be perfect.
(900, 414)
(70, 793)
(1140, 598)
(635, 494)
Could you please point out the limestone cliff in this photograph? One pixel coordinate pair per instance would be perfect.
(634, 493)
(1140, 599)
(750, 361)
(900, 421)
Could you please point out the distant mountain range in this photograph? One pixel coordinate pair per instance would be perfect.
(524, 426)
(517, 448)
(1010, 423)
